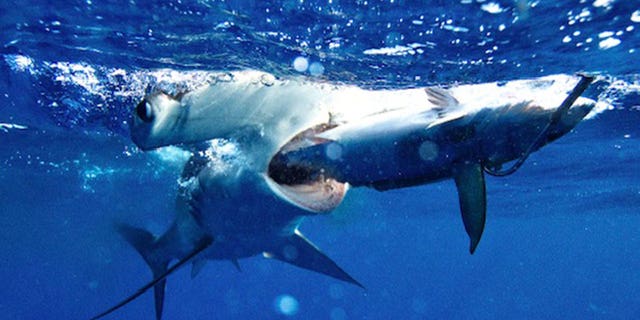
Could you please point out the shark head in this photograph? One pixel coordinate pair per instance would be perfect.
(261, 115)
(156, 120)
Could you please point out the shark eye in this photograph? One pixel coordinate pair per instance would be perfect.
(144, 111)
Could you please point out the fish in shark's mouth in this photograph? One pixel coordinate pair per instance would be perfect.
(408, 148)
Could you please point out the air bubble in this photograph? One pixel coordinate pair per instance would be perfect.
(301, 64)
(428, 151)
(286, 305)
(316, 69)
(334, 151)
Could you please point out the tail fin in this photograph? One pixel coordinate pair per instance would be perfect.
(145, 243)
(148, 247)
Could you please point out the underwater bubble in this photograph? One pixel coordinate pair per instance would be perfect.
(428, 151)
(334, 151)
(635, 16)
(286, 304)
(316, 69)
(301, 64)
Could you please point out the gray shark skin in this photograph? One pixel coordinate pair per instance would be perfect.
(226, 211)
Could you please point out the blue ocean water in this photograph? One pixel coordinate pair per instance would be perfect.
(562, 233)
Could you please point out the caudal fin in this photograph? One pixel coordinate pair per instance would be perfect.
(148, 247)
(145, 243)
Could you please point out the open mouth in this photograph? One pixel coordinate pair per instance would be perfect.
(307, 186)
(283, 171)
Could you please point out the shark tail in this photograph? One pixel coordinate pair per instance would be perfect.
(147, 246)
(157, 255)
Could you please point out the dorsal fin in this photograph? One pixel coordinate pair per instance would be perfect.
(300, 252)
(440, 97)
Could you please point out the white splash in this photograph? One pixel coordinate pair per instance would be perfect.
(609, 43)
(172, 155)
(79, 74)
(10, 126)
(605, 34)
(617, 89)
(492, 7)
(398, 50)
(19, 62)
(455, 28)
(603, 3)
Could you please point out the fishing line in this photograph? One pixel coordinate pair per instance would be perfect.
(582, 85)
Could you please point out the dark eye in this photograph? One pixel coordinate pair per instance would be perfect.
(144, 111)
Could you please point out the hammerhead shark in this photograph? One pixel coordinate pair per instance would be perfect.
(291, 148)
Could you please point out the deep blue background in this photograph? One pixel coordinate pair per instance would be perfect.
(562, 235)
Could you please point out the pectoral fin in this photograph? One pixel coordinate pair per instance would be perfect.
(473, 200)
(300, 252)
